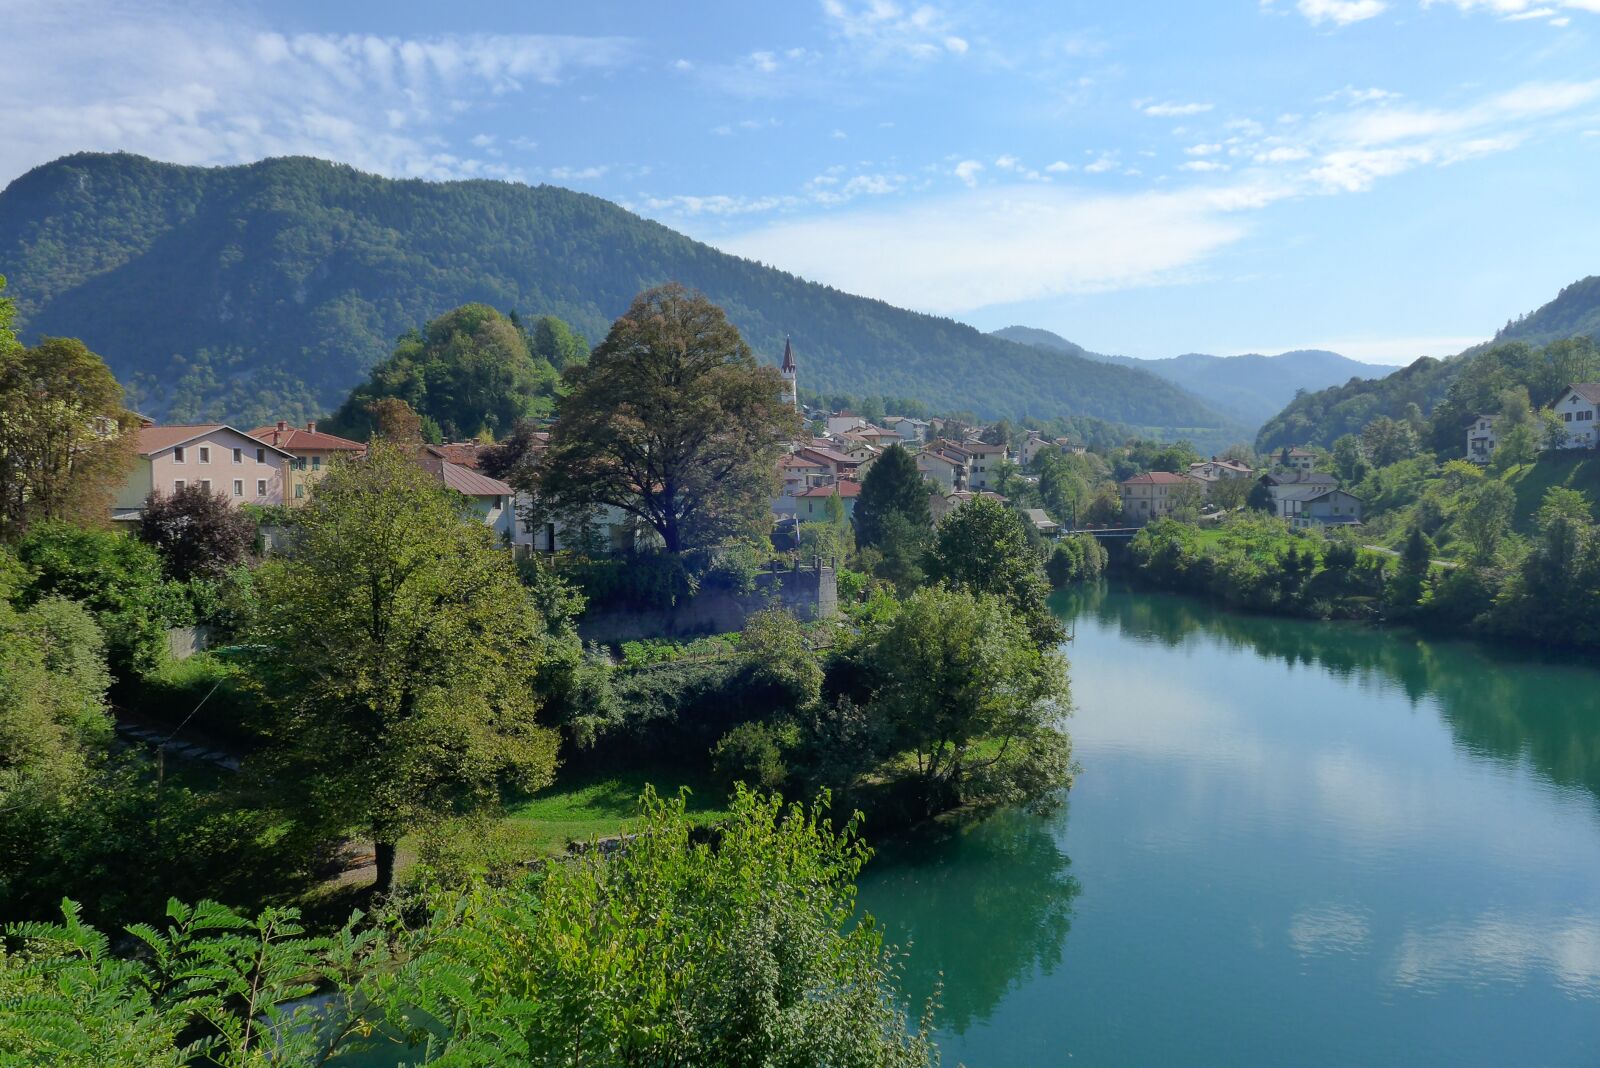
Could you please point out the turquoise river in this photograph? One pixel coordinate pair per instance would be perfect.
(1288, 843)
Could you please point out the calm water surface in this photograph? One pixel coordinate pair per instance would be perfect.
(1290, 843)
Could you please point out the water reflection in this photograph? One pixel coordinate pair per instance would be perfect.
(1513, 705)
(938, 897)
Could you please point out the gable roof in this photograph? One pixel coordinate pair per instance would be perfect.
(1308, 478)
(1153, 478)
(463, 479)
(845, 487)
(1589, 391)
(154, 439)
(828, 456)
(983, 448)
(291, 438)
(1315, 493)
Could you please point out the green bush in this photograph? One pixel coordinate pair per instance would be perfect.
(753, 753)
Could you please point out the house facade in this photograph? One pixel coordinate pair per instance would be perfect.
(1579, 408)
(214, 456)
(1295, 459)
(312, 453)
(946, 473)
(1150, 496)
(1314, 508)
(811, 506)
(1481, 439)
(1284, 485)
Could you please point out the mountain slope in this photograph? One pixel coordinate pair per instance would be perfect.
(1250, 388)
(267, 290)
(1459, 386)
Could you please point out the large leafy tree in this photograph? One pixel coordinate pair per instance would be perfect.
(982, 548)
(892, 484)
(403, 655)
(673, 422)
(962, 684)
(66, 442)
(198, 533)
(469, 371)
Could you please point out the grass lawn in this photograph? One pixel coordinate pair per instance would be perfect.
(601, 802)
(1579, 470)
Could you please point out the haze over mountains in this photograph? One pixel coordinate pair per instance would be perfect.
(1250, 388)
(268, 290)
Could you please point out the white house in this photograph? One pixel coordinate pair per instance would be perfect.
(1030, 448)
(1314, 506)
(220, 459)
(985, 458)
(909, 429)
(1577, 407)
(842, 421)
(939, 468)
(1481, 439)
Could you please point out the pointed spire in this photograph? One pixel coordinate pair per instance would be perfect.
(788, 354)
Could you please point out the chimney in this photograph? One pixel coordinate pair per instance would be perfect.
(283, 424)
(311, 426)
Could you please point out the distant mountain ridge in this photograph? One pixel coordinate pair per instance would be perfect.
(1250, 388)
(268, 290)
(1322, 417)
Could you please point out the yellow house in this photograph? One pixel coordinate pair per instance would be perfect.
(312, 452)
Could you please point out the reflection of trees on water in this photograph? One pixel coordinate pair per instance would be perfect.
(1506, 704)
(987, 906)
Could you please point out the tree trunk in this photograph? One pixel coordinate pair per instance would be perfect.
(383, 885)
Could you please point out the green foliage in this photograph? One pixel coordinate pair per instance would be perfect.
(469, 371)
(118, 579)
(892, 485)
(753, 754)
(982, 548)
(402, 655)
(323, 267)
(672, 422)
(66, 442)
(197, 532)
(958, 680)
(1078, 558)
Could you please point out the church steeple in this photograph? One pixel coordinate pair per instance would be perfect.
(791, 389)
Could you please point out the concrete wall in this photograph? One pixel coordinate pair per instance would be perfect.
(184, 642)
(809, 593)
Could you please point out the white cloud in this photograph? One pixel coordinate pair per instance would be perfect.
(1101, 165)
(1351, 95)
(169, 82)
(1059, 167)
(1282, 154)
(683, 65)
(981, 247)
(1202, 150)
(1203, 166)
(578, 174)
(884, 29)
(1521, 10)
(765, 62)
(967, 170)
(1340, 12)
(1170, 110)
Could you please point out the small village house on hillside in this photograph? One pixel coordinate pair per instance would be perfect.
(1579, 408)
(1285, 484)
(942, 504)
(493, 500)
(1150, 496)
(214, 456)
(1314, 507)
(947, 473)
(1481, 439)
(312, 452)
(811, 506)
(1041, 521)
(981, 472)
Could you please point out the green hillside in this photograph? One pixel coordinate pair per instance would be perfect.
(1464, 384)
(1250, 388)
(268, 290)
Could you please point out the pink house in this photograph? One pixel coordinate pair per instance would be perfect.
(214, 456)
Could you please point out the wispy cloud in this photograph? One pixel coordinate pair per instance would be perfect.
(1521, 10)
(1340, 12)
(884, 29)
(168, 82)
(1168, 110)
(968, 170)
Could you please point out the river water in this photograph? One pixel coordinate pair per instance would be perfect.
(1289, 843)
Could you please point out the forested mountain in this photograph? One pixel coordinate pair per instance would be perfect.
(1250, 388)
(1467, 382)
(269, 290)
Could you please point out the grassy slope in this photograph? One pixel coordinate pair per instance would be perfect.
(597, 804)
(1577, 470)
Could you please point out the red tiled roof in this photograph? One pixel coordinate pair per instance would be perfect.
(293, 438)
(828, 456)
(845, 487)
(463, 453)
(1154, 478)
(798, 461)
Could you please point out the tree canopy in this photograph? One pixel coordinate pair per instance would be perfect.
(671, 421)
(982, 548)
(891, 485)
(402, 655)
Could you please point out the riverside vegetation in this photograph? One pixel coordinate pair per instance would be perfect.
(395, 677)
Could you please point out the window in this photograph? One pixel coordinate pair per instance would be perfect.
(238, 485)
(205, 484)
(205, 454)
(261, 487)
(177, 454)
(1567, 416)
(178, 484)
(238, 456)
(300, 489)
(261, 456)
(316, 463)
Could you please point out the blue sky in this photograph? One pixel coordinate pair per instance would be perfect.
(1389, 178)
